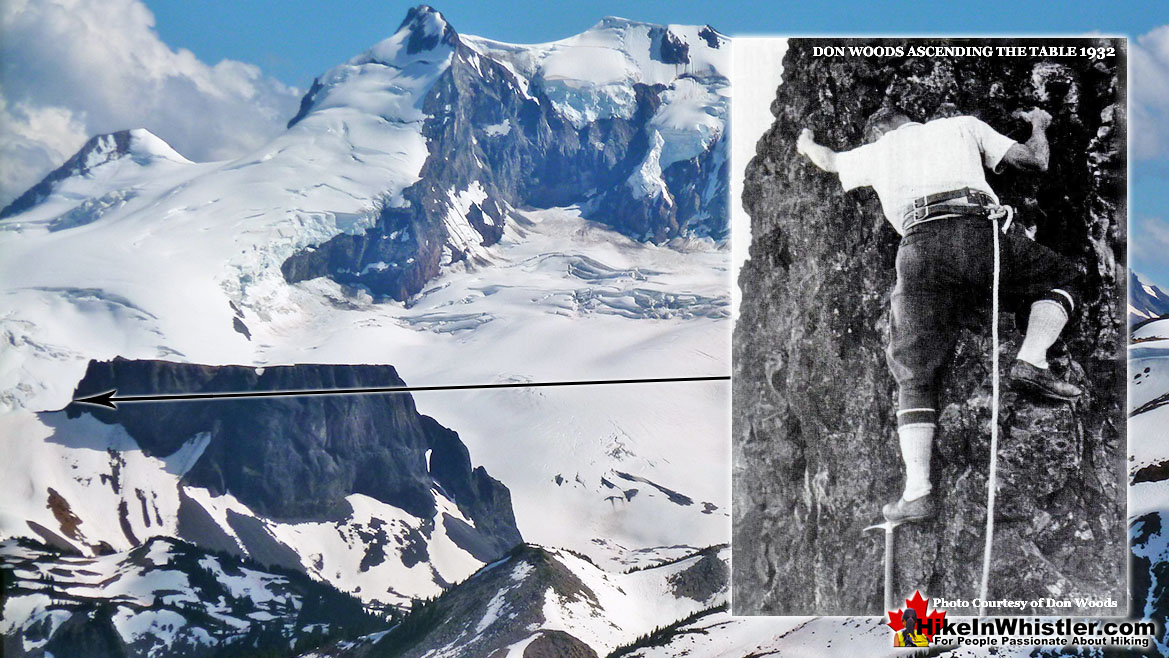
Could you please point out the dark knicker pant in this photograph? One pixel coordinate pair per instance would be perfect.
(944, 275)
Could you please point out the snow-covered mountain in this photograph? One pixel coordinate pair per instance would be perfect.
(165, 597)
(548, 602)
(464, 210)
(626, 120)
(1145, 300)
(480, 212)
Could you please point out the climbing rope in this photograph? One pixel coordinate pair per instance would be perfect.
(996, 214)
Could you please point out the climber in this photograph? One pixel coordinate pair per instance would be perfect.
(933, 190)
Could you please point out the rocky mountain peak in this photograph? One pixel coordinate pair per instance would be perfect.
(1146, 301)
(139, 144)
(427, 28)
(604, 119)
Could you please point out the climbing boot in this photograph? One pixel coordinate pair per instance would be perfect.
(1042, 381)
(910, 510)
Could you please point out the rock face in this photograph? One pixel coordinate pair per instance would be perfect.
(548, 141)
(297, 458)
(815, 443)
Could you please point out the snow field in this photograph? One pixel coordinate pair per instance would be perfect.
(152, 256)
(529, 437)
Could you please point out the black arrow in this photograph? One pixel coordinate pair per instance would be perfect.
(108, 399)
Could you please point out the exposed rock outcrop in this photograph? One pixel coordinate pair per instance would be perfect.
(139, 145)
(297, 458)
(167, 597)
(542, 602)
(815, 443)
(500, 137)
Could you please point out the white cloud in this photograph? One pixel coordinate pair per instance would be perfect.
(1149, 59)
(75, 68)
(33, 140)
(1150, 239)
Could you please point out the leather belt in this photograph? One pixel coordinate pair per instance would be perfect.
(935, 206)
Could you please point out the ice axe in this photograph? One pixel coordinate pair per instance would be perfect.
(888, 527)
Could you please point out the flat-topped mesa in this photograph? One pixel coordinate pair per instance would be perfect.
(300, 457)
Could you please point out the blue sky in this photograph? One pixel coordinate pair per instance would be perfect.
(294, 41)
(216, 78)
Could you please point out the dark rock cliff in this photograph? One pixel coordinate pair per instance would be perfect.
(815, 445)
(297, 458)
(541, 159)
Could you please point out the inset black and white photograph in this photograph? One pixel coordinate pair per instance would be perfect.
(929, 349)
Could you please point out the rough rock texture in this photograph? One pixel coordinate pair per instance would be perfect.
(541, 160)
(1150, 571)
(815, 444)
(296, 458)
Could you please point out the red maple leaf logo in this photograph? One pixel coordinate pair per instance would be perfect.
(931, 621)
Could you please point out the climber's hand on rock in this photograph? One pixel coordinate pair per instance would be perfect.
(1038, 118)
(804, 142)
(821, 156)
(1035, 154)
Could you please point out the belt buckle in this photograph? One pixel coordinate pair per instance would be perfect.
(919, 202)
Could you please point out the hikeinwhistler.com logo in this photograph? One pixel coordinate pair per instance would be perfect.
(920, 625)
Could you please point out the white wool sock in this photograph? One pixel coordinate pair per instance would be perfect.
(916, 444)
(1047, 321)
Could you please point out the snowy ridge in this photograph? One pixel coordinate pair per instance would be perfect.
(554, 598)
(125, 159)
(390, 80)
(1145, 300)
(1152, 329)
(587, 76)
(101, 490)
(162, 598)
(363, 553)
(104, 494)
